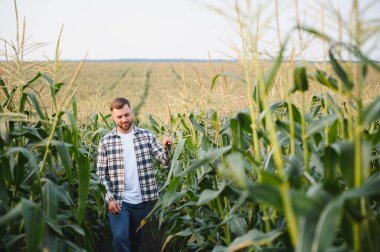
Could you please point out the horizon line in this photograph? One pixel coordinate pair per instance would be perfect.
(173, 60)
(152, 60)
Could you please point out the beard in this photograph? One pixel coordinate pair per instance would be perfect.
(126, 125)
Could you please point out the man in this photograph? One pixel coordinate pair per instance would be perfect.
(125, 168)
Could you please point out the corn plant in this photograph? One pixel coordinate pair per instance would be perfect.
(219, 197)
(276, 176)
(50, 197)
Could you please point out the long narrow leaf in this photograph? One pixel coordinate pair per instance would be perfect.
(34, 225)
(210, 156)
(84, 185)
(213, 81)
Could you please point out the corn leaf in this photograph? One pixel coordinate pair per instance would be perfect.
(209, 157)
(300, 80)
(34, 225)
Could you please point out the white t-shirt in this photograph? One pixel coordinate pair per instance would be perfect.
(132, 191)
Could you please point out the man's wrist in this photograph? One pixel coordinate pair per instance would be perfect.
(109, 197)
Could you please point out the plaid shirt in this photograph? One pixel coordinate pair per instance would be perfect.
(110, 163)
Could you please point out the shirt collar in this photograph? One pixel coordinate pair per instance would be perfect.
(137, 130)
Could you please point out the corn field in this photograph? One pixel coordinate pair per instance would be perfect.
(275, 176)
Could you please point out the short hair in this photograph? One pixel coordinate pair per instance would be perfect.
(119, 103)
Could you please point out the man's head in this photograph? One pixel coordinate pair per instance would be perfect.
(122, 114)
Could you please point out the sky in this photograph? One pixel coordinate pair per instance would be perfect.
(177, 29)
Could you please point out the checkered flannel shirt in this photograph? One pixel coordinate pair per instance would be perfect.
(110, 163)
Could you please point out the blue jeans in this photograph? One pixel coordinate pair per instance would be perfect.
(124, 226)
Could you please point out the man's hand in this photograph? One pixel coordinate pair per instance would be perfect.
(114, 207)
(167, 141)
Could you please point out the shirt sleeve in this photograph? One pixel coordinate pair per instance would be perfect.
(158, 152)
(102, 171)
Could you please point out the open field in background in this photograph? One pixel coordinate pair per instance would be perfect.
(160, 88)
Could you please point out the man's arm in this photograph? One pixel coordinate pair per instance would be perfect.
(102, 171)
(159, 152)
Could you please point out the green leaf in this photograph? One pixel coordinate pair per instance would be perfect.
(53, 225)
(4, 88)
(64, 155)
(315, 32)
(268, 178)
(284, 108)
(294, 170)
(304, 205)
(368, 189)
(104, 118)
(329, 82)
(73, 246)
(13, 214)
(233, 169)
(318, 125)
(174, 162)
(75, 108)
(34, 225)
(58, 86)
(84, 185)
(285, 128)
(74, 131)
(300, 80)
(196, 124)
(16, 239)
(237, 136)
(242, 199)
(171, 195)
(265, 193)
(48, 79)
(364, 59)
(331, 169)
(209, 157)
(52, 189)
(254, 238)
(371, 113)
(346, 152)
(178, 150)
(346, 82)
(209, 195)
(153, 124)
(272, 73)
(244, 119)
(8, 102)
(23, 100)
(327, 225)
(219, 248)
(184, 124)
(213, 81)
(237, 224)
(52, 88)
(38, 75)
(185, 232)
(24, 151)
(77, 229)
(306, 232)
(36, 105)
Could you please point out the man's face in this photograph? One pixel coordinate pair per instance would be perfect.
(123, 118)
